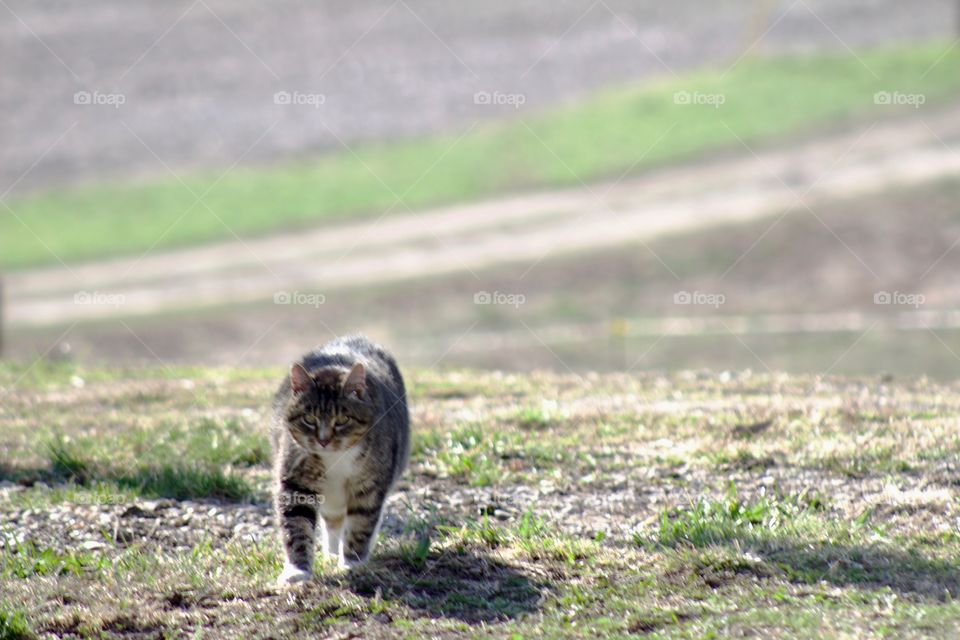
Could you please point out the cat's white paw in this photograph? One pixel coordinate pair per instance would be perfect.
(292, 575)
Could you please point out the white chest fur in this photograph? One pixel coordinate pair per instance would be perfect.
(340, 467)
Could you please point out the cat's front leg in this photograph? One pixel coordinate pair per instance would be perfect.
(333, 528)
(362, 526)
(298, 519)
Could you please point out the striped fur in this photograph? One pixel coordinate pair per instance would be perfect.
(341, 437)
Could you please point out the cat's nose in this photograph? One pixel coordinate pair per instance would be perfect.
(324, 441)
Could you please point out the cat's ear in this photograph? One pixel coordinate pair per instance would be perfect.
(300, 380)
(356, 381)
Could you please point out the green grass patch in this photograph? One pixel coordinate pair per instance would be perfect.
(41, 374)
(93, 493)
(872, 460)
(203, 460)
(215, 442)
(537, 418)
(203, 440)
(14, 625)
(617, 130)
(25, 560)
(710, 521)
(482, 455)
(794, 538)
(530, 535)
(183, 482)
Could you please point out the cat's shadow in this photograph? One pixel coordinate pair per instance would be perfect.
(460, 584)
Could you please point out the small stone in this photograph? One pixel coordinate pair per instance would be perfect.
(124, 536)
(136, 512)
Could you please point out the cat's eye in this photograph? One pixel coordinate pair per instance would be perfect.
(309, 421)
(340, 421)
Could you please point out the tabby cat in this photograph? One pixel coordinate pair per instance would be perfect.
(341, 436)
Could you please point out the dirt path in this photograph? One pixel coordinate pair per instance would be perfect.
(522, 229)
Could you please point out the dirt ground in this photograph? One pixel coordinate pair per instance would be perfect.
(536, 505)
(197, 77)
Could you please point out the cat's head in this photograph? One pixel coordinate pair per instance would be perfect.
(330, 409)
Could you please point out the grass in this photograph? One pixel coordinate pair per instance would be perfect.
(616, 131)
(711, 521)
(14, 625)
(482, 454)
(534, 506)
(44, 374)
(27, 561)
(200, 459)
(577, 326)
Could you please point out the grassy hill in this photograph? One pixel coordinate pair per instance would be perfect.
(613, 133)
(606, 310)
(134, 503)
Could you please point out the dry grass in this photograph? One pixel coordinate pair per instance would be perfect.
(691, 506)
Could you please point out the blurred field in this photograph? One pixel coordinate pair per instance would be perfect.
(616, 132)
(673, 287)
(198, 78)
(134, 504)
(615, 309)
